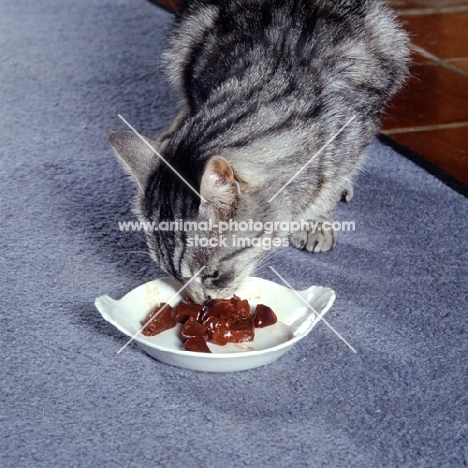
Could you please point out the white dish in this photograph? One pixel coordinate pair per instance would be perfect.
(295, 321)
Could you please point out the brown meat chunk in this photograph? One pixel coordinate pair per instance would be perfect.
(186, 309)
(161, 319)
(220, 320)
(193, 328)
(197, 344)
(228, 320)
(264, 316)
(233, 309)
(223, 331)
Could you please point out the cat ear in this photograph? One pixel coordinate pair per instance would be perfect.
(219, 187)
(135, 156)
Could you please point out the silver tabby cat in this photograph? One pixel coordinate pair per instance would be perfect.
(264, 85)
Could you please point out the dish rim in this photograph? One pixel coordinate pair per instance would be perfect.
(213, 355)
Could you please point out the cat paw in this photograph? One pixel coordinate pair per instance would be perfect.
(348, 193)
(314, 241)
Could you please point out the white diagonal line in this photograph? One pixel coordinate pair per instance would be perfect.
(312, 309)
(439, 61)
(159, 156)
(311, 159)
(160, 310)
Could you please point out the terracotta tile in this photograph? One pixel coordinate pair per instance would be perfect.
(169, 4)
(447, 148)
(444, 34)
(460, 63)
(433, 95)
(417, 58)
(405, 4)
(443, 3)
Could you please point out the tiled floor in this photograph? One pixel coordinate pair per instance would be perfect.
(430, 116)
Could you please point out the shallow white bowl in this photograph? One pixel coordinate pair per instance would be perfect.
(295, 321)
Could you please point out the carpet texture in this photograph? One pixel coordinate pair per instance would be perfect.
(67, 399)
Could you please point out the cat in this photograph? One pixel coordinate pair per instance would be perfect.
(264, 85)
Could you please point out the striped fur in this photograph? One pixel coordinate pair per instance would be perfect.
(265, 84)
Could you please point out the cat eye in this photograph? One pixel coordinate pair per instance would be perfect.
(213, 275)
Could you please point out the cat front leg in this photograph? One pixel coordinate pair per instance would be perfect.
(347, 193)
(317, 233)
(318, 237)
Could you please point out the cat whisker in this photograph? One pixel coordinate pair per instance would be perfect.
(140, 237)
(259, 269)
(137, 252)
(261, 263)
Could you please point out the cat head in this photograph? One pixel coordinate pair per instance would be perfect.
(193, 210)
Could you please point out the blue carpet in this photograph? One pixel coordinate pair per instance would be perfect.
(67, 399)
